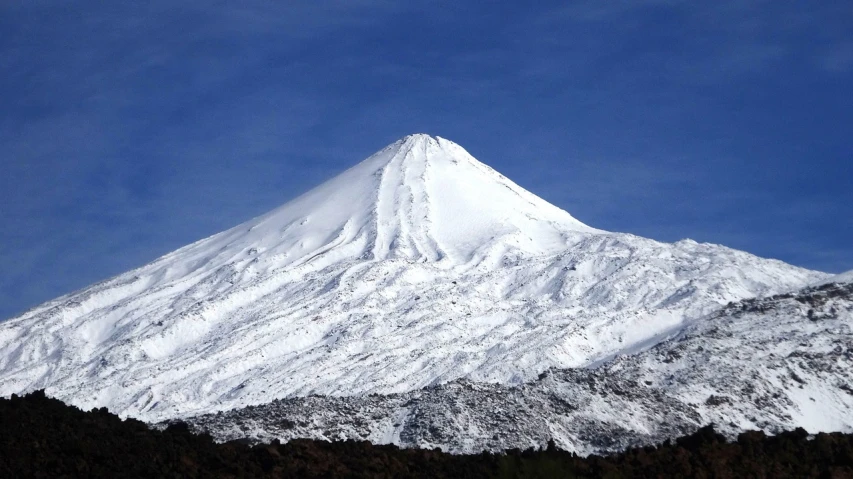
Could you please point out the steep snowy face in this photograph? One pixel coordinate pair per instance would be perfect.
(417, 266)
(421, 198)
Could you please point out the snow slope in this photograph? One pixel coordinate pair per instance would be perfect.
(418, 266)
(846, 277)
(772, 364)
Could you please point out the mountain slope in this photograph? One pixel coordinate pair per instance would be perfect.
(418, 266)
(771, 364)
(846, 277)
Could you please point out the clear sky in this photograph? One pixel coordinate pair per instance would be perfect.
(128, 129)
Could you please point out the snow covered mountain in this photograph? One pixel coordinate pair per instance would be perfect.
(772, 364)
(416, 267)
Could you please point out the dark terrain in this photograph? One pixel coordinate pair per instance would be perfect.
(43, 437)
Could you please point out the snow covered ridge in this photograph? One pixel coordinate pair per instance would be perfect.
(846, 277)
(416, 267)
(771, 364)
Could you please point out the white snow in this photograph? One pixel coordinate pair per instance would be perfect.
(846, 277)
(417, 266)
(772, 364)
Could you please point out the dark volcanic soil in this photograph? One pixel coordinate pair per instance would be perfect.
(42, 437)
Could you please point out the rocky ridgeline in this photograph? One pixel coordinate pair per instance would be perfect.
(773, 364)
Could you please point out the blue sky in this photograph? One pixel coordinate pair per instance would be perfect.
(128, 129)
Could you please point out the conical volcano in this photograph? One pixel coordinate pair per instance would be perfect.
(416, 266)
(421, 198)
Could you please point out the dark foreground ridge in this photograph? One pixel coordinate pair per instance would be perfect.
(43, 437)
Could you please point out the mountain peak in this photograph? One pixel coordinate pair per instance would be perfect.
(420, 198)
(420, 138)
(420, 143)
(425, 147)
(416, 266)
